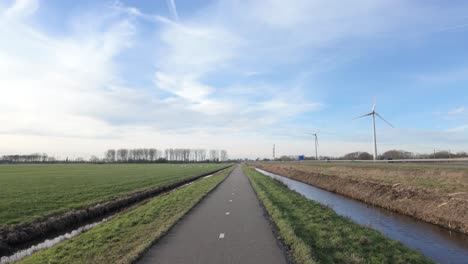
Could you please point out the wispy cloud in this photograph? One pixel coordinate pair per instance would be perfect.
(22, 8)
(58, 85)
(446, 76)
(173, 9)
(228, 69)
(462, 128)
(457, 111)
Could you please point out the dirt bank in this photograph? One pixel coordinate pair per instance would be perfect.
(14, 237)
(430, 205)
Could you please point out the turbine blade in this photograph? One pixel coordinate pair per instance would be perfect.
(384, 120)
(362, 116)
(375, 102)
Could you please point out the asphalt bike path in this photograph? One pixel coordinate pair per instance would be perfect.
(228, 226)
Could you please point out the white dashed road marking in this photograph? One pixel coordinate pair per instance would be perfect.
(230, 201)
(221, 235)
(228, 213)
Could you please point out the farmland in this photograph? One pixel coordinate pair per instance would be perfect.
(444, 179)
(316, 234)
(437, 195)
(32, 191)
(124, 238)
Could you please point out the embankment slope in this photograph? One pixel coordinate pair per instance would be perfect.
(434, 205)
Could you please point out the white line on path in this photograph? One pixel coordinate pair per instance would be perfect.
(221, 235)
(228, 213)
(230, 201)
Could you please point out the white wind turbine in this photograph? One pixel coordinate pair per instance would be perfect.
(373, 114)
(316, 143)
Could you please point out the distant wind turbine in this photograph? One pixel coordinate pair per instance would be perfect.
(373, 114)
(316, 143)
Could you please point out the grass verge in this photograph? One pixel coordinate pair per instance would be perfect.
(124, 238)
(428, 195)
(316, 234)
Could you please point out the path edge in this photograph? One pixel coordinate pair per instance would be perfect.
(140, 255)
(274, 228)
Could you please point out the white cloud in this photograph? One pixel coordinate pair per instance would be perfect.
(443, 77)
(56, 85)
(173, 9)
(185, 86)
(196, 49)
(458, 111)
(22, 8)
(71, 88)
(462, 128)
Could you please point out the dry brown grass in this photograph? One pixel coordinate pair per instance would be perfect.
(446, 180)
(435, 195)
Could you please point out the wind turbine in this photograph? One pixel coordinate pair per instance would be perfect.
(373, 114)
(316, 143)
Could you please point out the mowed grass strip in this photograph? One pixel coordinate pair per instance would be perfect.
(32, 191)
(124, 238)
(316, 234)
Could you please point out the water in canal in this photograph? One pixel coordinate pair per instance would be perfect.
(437, 243)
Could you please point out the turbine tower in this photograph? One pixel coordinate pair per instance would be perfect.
(316, 143)
(373, 114)
(274, 152)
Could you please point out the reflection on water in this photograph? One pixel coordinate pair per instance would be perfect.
(437, 243)
(47, 243)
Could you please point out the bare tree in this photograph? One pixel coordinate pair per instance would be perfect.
(152, 153)
(146, 155)
(202, 154)
(223, 155)
(358, 156)
(110, 155)
(122, 155)
(214, 155)
(94, 159)
(166, 154)
(131, 154)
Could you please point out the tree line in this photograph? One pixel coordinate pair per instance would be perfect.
(123, 155)
(167, 155)
(35, 157)
(402, 154)
(388, 155)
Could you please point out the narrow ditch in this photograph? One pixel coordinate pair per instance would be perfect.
(48, 243)
(23, 240)
(437, 243)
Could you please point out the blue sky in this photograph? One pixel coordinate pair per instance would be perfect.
(80, 77)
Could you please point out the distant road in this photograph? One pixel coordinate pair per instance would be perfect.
(228, 226)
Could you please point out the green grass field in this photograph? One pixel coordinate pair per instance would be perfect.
(123, 238)
(316, 234)
(28, 192)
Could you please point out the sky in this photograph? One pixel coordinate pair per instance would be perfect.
(80, 77)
